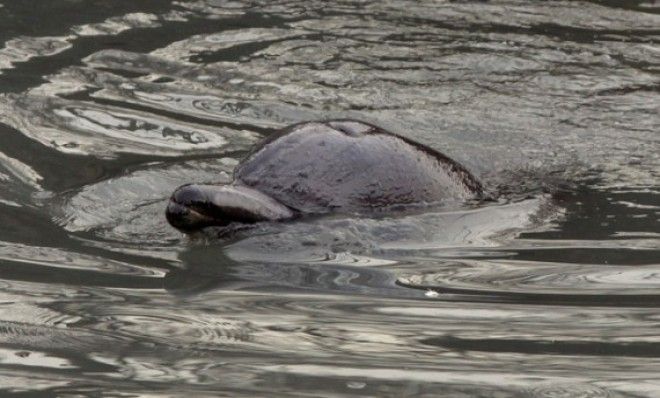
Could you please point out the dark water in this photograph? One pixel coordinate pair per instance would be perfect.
(552, 291)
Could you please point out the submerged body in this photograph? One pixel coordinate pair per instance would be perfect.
(320, 167)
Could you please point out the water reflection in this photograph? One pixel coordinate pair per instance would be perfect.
(208, 267)
(550, 290)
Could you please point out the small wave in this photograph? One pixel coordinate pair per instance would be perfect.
(130, 208)
(543, 283)
(77, 127)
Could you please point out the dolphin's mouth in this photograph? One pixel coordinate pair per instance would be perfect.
(192, 207)
(191, 216)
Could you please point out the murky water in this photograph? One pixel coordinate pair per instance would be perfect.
(551, 291)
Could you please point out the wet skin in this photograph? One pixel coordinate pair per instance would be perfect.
(192, 207)
(320, 167)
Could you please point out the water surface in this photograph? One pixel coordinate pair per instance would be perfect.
(552, 290)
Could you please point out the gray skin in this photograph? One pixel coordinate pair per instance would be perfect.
(340, 166)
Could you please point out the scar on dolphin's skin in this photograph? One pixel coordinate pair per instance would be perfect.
(342, 166)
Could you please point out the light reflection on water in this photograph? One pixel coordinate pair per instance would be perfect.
(549, 291)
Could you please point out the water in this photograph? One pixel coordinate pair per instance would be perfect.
(551, 291)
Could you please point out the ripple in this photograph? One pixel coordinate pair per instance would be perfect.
(208, 94)
(207, 269)
(552, 105)
(427, 233)
(36, 359)
(130, 208)
(51, 339)
(116, 25)
(192, 332)
(22, 49)
(215, 9)
(19, 170)
(571, 390)
(54, 258)
(365, 60)
(219, 41)
(77, 127)
(550, 282)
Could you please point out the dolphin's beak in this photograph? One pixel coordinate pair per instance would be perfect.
(192, 207)
(186, 209)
